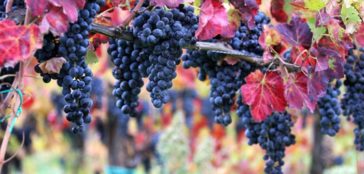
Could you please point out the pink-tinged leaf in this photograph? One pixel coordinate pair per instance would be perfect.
(297, 32)
(327, 51)
(69, 7)
(272, 43)
(359, 35)
(119, 16)
(302, 57)
(37, 7)
(18, 42)
(267, 55)
(213, 21)
(264, 93)
(53, 65)
(317, 84)
(248, 9)
(335, 70)
(323, 19)
(277, 10)
(55, 21)
(168, 3)
(296, 91)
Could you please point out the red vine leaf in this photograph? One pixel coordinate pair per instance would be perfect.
(264, 93)
(277, 10)
(214, 21)
(330, 56)
(359, 35)
(69, 7)
(303, 58)
(119, 16)
(54, 21)
(296, 91)
(37, 7)
(317, 84)
(18, 42)
(168, 3)
(297, 32)
(248, 9)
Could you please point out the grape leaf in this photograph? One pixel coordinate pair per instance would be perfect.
(213, 21)
(296, 91)
(264, 93)
(53, 65)
(317, 84)
(350, 15)
(37, 7)
(277, 10)
(248, 9)
(297, 32)
(54, 21)
(315, 5)
(327, 50)
(119, 16)
(18, 43)
(359, 35)
(318, 32)
(303, 58)
(335, 70)
(168, 3)
(69, 7)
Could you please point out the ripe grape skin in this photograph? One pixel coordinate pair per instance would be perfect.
(226, 79)
(273, 135)
(75, 77)
(129, 80)
(352, 102)
(161, 34)
(329, 110)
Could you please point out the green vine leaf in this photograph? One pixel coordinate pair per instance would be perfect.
(318, 32)
(350, 15)
(315, 5)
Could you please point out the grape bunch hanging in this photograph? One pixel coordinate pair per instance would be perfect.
(163, 38)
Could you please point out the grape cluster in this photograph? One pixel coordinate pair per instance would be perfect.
(77, 77)
(129, 80)
(49, 50)
(273, 135)
(352, 102)
(251, 127)
(329, 109)
(225, 80)
(161, 34)
(246, 40)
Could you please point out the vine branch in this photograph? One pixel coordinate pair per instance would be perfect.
(121, 33)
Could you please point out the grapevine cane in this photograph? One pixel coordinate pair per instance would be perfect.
(11, 122)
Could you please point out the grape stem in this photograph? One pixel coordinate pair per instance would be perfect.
(121, 33)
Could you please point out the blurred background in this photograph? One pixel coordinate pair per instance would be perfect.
(177, 139)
